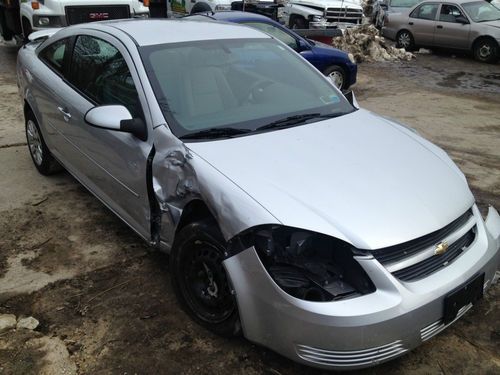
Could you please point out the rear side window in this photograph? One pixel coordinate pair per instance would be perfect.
(425, 12)
(53, 55)
(101, 73)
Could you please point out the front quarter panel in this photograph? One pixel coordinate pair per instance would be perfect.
(181, 176)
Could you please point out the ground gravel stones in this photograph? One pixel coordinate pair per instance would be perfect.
(7, 321)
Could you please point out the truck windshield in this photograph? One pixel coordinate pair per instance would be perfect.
(237, 86)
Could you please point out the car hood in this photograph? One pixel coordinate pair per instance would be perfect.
(358, 177)
(495, 24)
(319, 48)
(353, 4)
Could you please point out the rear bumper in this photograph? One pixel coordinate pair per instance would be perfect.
(363, 331)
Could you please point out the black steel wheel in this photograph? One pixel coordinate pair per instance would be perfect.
(200, 280)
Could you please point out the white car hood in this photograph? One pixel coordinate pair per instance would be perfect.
(329, 4)
(357, 177)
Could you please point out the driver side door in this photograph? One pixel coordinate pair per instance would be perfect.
(112, 164)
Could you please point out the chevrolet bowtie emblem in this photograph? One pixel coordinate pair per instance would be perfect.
(441, 248)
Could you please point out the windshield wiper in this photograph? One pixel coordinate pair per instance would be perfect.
(212, 133)
(297, 119)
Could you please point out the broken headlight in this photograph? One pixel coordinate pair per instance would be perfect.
(307, 265)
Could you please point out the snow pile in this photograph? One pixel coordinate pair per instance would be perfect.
(365, 44)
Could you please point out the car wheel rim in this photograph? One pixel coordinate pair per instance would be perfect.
(404, 40)
(337, 79)
(206, 286)
(485, 51)
(34, 142)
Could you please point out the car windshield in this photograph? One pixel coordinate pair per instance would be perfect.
(239, 86)
(404, 3)
(481, 11)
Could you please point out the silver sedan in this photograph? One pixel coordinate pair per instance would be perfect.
(455, 24)
(331, 235)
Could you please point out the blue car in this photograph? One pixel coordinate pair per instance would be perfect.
(332, 62)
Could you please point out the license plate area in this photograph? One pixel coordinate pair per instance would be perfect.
(471, 292)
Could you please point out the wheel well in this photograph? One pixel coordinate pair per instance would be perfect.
(195, 210)
(27, 108)
(294, 16)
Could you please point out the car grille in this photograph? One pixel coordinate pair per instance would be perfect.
(346, 358)
(398, 258)
(82, 14)
(344, 15)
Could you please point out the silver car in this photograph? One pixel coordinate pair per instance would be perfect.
(455, 24)
(331, 235)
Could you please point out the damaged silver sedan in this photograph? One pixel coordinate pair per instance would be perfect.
(333, 236)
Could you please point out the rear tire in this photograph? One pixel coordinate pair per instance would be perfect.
(27, 29)
(201, 8)
(486, 50)
(404, 39)
(199, 279)
(40, 154)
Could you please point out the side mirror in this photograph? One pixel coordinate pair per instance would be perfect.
(116, 117)
(302, 45)
(462, 20)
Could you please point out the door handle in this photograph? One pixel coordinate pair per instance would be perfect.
(67, 115)
(410, 23)
(439, 26)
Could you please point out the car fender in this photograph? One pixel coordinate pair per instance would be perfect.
(180, 176)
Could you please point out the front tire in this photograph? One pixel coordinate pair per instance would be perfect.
(298, 22)
(405, 40)
(486, 50)
(337, 75)
(200, 280)
(40, 154)
(200, 8)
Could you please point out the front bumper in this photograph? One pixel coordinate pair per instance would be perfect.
(358, 332)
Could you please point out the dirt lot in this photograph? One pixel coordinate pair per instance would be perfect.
(103, 299)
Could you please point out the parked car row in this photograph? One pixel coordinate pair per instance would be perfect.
(333, 63)
(455, 24)
(333, 236)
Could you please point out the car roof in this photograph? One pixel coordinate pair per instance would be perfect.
(450, 1)
(161, 31)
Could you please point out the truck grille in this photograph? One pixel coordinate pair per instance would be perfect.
(344, 15)
(82, 14)
(408, 261)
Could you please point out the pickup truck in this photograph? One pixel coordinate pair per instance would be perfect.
(305, 14)
(18, 18)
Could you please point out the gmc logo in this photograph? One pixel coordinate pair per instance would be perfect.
(99, 16)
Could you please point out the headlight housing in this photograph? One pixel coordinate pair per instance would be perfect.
(307, 265)
(316, 18)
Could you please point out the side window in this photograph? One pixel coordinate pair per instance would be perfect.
(53, 55)
(449, 13)
(275, 32)
(425, 12)
(100, 72)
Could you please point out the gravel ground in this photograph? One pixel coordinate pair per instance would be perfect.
(103, 299)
